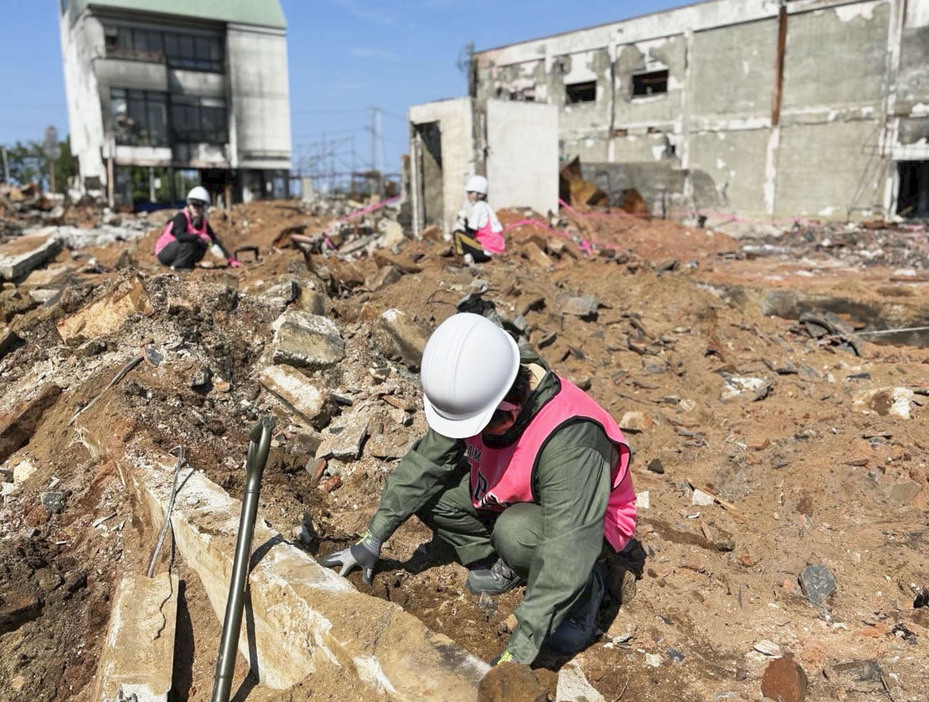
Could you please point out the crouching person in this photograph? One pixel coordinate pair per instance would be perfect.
(187, 237)
(522, 473)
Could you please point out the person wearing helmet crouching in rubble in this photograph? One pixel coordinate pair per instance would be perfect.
(523, 474)
(478, 233)
(188, 235)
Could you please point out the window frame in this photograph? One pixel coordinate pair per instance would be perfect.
(179, 50)
(649, 78)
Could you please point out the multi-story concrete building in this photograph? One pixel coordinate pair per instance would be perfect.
(162, 93)
(767, 108)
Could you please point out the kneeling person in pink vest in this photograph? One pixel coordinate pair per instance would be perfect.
(186, 238)
(522, 473)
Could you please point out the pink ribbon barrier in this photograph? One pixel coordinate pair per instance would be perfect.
(369, 208)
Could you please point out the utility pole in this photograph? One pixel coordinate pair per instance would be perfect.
(52, 153)
(377, 147)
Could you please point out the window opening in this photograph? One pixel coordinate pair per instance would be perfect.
(651, 83)
(913, 196)
(581, 92)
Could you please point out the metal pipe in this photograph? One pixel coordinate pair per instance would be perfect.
(779, 65)
(259, 444)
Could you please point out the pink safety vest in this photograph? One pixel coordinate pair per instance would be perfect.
(503, 476)
(490, 241)
(167, 236)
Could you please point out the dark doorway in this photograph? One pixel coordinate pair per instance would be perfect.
(913, 197)
(429, 152)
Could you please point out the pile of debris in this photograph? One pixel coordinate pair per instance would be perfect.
(752, 435)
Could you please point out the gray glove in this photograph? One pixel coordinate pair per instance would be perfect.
(363, 554)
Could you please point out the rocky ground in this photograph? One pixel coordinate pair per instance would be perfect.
(778, 459)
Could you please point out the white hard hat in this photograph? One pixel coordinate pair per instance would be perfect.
(468, 366)
(476, 184)
(198, 192)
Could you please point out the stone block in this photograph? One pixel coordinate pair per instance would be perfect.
(303, 618)
(537, 256)
(817, 583)
(784, 680)
(382, 277)
(344, 437)
(9, 340)
(138, 655)
(18, 424)
(311, 300)
(295, 390)
(573, 686)
(21, 255)
(903, 493)
(108, 314)
(864, 676)
(397, 337)
(742, 389)
(635, 421)
(583, 306)
(306, 341)
(893, 402)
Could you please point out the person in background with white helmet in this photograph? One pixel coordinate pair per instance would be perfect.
(522, 473)
(478, 233)
(188, 235)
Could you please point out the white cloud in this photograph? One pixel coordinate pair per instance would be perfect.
(374, 53)
(362, 10)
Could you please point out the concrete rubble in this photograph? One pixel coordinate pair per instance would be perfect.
(751, 435)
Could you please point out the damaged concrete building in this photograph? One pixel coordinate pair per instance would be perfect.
(165, 93)
(763, 108)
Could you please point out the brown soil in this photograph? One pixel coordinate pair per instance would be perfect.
(804, 475)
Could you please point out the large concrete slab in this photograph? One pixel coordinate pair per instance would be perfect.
(138, 656)
(21, 255)
(302, 618)
(295, 390)
(107, 314)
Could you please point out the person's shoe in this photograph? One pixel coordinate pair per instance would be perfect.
(469, 259)
(578, 628)
(495, 580)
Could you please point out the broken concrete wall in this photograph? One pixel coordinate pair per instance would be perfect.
(259, 112)
(454, 120)
(818, 163)
(581, 119)
(912, 94)
(720, 116)
(85, 115)
(661, 111)
(522, 166)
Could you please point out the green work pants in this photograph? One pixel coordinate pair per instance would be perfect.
(512, 534)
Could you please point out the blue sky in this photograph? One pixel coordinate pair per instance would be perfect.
(345, 56)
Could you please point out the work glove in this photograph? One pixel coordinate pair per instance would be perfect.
(234, 262)
(363, 554)
(505, 657)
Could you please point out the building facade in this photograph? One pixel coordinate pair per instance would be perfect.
(163, 94)
(765, 108)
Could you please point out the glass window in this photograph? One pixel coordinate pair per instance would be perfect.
(139, 117)
(198, 119)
